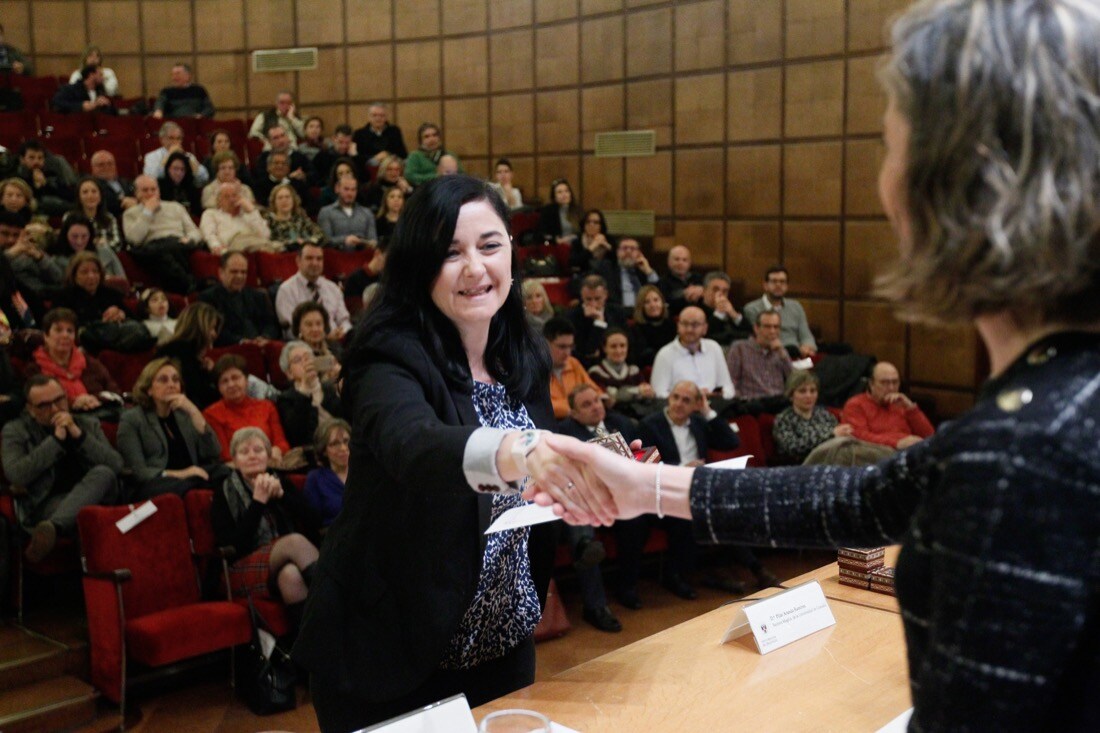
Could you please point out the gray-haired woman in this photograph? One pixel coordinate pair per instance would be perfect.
(309, 400)
(992, 182)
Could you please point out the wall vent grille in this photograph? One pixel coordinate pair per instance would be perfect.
(285, 59)
(626, 144)
(631, 223)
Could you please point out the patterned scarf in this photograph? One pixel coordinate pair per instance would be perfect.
(239, 498)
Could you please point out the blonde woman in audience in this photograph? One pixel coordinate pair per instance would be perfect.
(160, 325)
(94, 57)
(391, 174)
(653, 327)
(226, 167)
(537, 307)
(17, 197)
(287, 221)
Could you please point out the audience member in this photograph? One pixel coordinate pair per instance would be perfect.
(278, 172)
(420, 166)
(308, 284)
(681, 287)
(103, 318)
(164, 439)
(759, 366)
(389, 212)
(310, 324)
(621, 380)
(269, 524)
(183, 98)
(63, 462)
(225, 166)
(309, 400)
(76, 235)
(503, 184)
(236, 409)
(222, 142)
(342, 147)
(171, 142)
(390, 176)
(94, 57)
(883, 414)
(82, 376)
(653, 327)
(560, 221)
(346, 223)
(18, 309)
(17, 197)
(51, 190)
(312, 141)
(378, 139)
(236, 225)
(35, 271)
(12, 59)
(90, 203)
(805, 424)
(342, 168)
(290, 227)
(565, 371)
(247, 312)
(118, 193)
(280, 141)
(592, 317)
(197, 330)
(282, 114)
(161, 235)
(536, 305)
(86, 94)
(692, 358)
(724, 324)
(447, 165)
(627, 273)
(325, 484)
(794, 328)
(158, 322)
(178, 182)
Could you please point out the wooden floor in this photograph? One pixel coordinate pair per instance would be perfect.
(204, 701)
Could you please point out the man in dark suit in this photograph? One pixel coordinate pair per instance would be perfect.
(249, 316)
(85, 95)
(589, 419)
(118, 193)
(591, 319)
(626, 274)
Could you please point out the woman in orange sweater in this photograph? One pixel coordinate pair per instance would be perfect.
(236, 410)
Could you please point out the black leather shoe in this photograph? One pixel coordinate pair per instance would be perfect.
(766, 579)
(679, 587)
(602, 619)
(629, 597)
(590, 553)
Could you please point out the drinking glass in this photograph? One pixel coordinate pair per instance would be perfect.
(514, 721)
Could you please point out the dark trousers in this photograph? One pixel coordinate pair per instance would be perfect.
(631, 537)
(339, 712)
(168, 260)
(590, 579)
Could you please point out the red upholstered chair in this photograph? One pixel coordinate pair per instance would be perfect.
(142, 597)
(340, 264)
(748, 430)
(198, 503)
(252, 354)
(76, 124)
(767, 441)
(125, 368)
(523, 221)
(15, 127)
(129, 126)
(138, 276)
(274, 268)
(205, 265)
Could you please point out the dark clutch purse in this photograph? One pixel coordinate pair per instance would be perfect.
(266, 681)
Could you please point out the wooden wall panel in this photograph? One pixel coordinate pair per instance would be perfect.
(328, 81)
(755, 104)
(416, 20)
(511, 55)
(949, 403)
(866, 98)
(751, 248)
(867, 22)
(466, 65)
(557, 114)
(700, 109)
(220, 74)
(465, 16)
(872, 329)
(602, 182)
(649, 107)
(755, 31)
(938, 351)
(17, 25)
(371, 73)
(862, 164)
(410, 115)
(753, 175)
(704, 239)
(824, 318)
(165, 25)
(464, 121)
(812, 175)
(601, 111)
(811, 253)
(263, 87)
(115, 28)
(54, 23)
(367, 20)
(511, 127)
(595, 7)
(814, 27)
(314, 23)
(551, 10)
(417, 73)
(647, 183)
(869, 248)
(266, 23)
(557, 55)
(700, 35)
(815, 99)
(649, 50)
(602, 49)
(510, 13)
(219, 25)
(697, 190)
(131, 74)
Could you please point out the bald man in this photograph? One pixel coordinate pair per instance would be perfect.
(883, 414)
(692, 357)
(681, 286)
(118, 193)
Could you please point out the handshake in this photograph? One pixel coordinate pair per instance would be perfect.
(587, 484)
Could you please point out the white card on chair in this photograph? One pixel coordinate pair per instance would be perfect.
(136, 516)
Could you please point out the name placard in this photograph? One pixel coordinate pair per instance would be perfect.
(785, 617)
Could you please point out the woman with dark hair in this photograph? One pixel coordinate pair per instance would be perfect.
(343, 166)
(560, 219)
(653, 328)
(236, 409)
(89, 203)
(390, 176)
(310, 324)
(165, 440)
(82, 376)
(621, 379)
(386, 219)
(989, 179)
(593, 245)
(78, 234)
(312, 140)
(178, 183)
(446, 383)
(196, 331)
(325, 485)
(104, 320)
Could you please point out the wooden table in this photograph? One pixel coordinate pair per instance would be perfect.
(849, 677)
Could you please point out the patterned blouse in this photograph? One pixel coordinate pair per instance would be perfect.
(795, 436)
(298, 226)
(505, 608)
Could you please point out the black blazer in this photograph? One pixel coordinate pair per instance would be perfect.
(614, 423)
(401, 562)
(589, 337)
(708, 434)
(248, 314)
(298, 415)
(71, 98)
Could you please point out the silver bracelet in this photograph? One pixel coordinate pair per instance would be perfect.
(657, 488)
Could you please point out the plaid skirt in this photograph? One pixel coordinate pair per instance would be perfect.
(251, 574)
